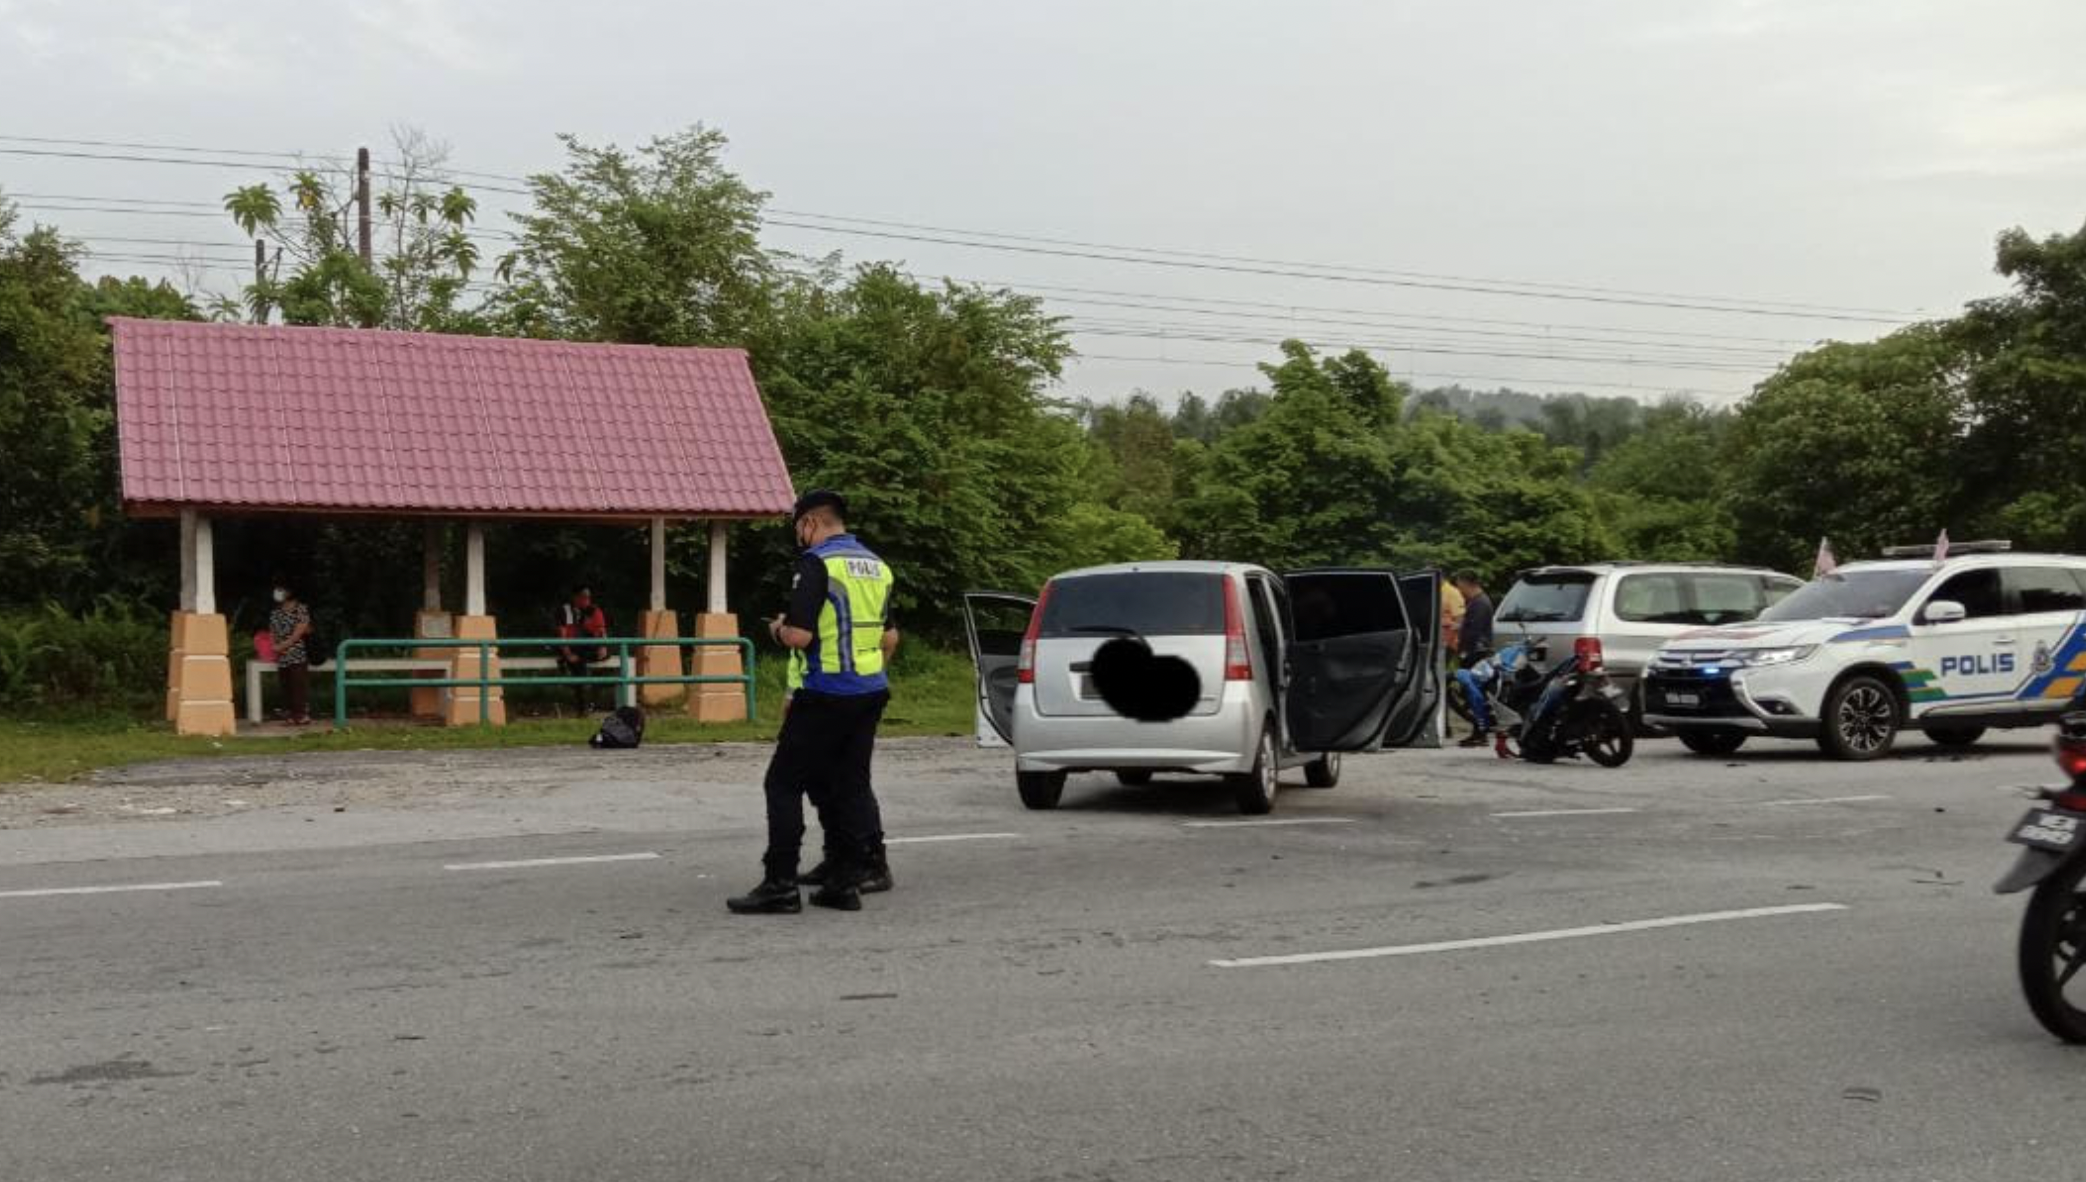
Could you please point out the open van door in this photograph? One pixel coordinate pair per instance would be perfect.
(1418, 719)
(1364, 660)
(996, 623)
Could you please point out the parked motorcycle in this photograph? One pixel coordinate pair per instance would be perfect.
(1568, 711)
(2053, 862)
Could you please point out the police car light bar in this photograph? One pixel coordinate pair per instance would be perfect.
(1954, 548)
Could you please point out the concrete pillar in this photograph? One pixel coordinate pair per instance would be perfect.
(462, 707)
(474, 624)
(662, 660)
(431, 622)
(717, 703)
(199, 650)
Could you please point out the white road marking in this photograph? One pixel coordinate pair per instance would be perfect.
(1821, 800)
(1272, 821)
(1604, 929)
(1566, 812)
(950, 837)
(575, 861)
(111, 890)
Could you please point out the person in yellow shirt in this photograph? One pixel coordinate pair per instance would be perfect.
(1451, 614)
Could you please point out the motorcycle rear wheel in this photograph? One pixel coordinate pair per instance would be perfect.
(2053, 953)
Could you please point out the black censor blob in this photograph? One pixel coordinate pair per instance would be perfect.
(1136, 684)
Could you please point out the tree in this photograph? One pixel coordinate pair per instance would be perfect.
(926, 408)
(1860, 442)
(2024, 382)
(418, 281)
(1308, 481)
(656, 247)
(1660, 489)
(62, 533)
(1492, 501)
(1136, 464)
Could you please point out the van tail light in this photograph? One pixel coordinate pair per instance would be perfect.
(1027, 666)
(1588, 650)
(1238, 659)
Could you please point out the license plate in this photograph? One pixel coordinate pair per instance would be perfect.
(2054, 830)
(1673, 699)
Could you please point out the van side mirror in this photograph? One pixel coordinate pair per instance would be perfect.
(1943, 611)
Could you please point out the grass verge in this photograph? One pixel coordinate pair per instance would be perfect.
(931, 694)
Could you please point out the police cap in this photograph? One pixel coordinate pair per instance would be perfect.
(820, 498)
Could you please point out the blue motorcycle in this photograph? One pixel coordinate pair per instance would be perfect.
(1542, 716)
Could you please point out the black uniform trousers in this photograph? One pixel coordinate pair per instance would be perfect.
(824, 752)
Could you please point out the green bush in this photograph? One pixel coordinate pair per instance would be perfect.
(114, 655)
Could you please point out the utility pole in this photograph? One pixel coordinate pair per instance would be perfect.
(260, 280)
(362, 218)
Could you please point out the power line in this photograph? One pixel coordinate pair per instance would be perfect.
(1335, 267)
(922, 232)
(1451, 377)
(1380, 281)
(1401, 347)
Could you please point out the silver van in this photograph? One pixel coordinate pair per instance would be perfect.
(1293, 670)
(1616, 615)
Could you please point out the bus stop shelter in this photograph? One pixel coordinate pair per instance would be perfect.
(230, 420)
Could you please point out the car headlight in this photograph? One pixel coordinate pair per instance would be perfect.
(1778, 656)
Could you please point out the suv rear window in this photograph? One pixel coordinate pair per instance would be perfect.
(1149, 603)
(1704, 599)
(1552, 596)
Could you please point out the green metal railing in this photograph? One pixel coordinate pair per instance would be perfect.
(621, 646)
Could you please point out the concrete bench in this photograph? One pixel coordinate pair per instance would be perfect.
(433, 666)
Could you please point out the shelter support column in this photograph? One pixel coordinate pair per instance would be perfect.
(199, 661)
(659, 660)
(720, 702)
(431, 622)
(474, 624)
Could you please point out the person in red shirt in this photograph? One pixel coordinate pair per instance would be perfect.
(581, 619)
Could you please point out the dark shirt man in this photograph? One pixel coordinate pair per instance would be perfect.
(1475, 637)
(580, 619)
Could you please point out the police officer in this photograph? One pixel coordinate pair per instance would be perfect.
(841, 636)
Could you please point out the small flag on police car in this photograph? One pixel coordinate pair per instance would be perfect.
(1941, 549)
(1826, 563)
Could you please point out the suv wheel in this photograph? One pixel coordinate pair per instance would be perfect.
(1955, 736)
(1256, 789)
(1722, 742)
(1861, 719)
(1040, 790)
(1323, 772)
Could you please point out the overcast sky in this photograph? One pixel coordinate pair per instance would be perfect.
(1857, 155)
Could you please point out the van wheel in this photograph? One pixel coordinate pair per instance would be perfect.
(1040, 790)
(1861, 719)
(1323, 772)
(1713, 742)
(1256, 789)
(1955, 736)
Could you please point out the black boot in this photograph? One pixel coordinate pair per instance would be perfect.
(839, 896)
(818, 875)
(774, 896)
(876, 871)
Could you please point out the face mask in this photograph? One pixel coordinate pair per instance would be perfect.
(281, 595)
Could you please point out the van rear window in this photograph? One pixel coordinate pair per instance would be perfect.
(1549, 597)
(1149, 603)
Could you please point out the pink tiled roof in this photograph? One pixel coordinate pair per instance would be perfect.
(328, 420)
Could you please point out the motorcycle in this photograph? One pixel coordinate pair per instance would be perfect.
(2053, 862)
(1542, 717)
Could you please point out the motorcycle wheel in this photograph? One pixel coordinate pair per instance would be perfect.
(1604, 735)
(2053, 953)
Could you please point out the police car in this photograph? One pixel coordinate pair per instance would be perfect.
(1984, 638)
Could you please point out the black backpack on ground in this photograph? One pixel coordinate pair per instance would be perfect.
(621, 730)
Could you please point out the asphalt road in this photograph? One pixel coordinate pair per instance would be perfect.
(1132, 987)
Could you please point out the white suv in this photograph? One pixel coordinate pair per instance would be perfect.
(1617, 614)
(1986, 638)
